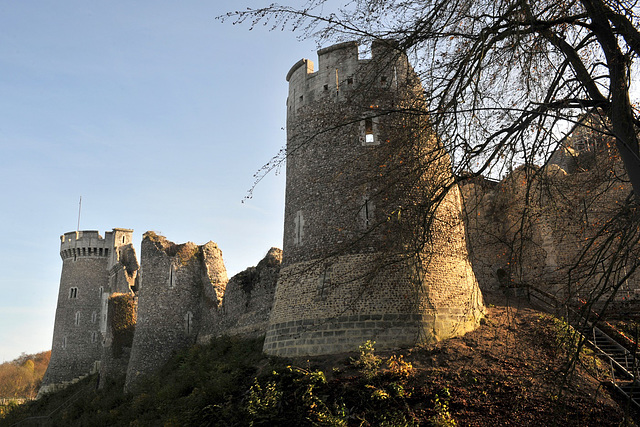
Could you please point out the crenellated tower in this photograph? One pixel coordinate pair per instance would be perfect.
(374, 245)
(89, 267)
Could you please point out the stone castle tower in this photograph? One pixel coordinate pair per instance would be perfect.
(92, 268)
(374, 249)
(374, 243)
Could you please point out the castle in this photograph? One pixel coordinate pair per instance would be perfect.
(375, 246)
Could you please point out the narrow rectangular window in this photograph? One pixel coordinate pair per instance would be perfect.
(367, 217)
(368, 131)
(395, 75)
(298, 232)
(367, 212)
(188, 322)
(73, 293)
(94, 336)
(77, 318)
(94, 317)
(368, 134)
(172, 277)
(64, 342)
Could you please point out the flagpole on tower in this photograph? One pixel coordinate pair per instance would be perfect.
(79, 210)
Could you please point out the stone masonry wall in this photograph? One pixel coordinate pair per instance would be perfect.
(544, 226)
(77, 339)
(119, 312)
(248, 299)
(373, 223)
(178, 283)
(116, 350)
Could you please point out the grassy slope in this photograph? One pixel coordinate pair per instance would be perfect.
(511, 371)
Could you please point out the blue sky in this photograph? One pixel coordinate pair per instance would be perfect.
(155, 113)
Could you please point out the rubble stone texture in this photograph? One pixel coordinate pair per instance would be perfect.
(93, 267)
(359, 261)
(562, 228)
(176, 281)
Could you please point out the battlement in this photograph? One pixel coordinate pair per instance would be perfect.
(340, 70)
(89, 243)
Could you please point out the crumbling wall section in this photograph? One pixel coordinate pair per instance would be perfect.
(249, 297)
(171, 300)
(552, 229)
(121, 321)
(119, 312)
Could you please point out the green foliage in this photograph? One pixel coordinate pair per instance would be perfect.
(203, 385)
(230, 382)
(263, 402)
(7, 407)
(567, 338)
(293, 396)
(367, 362)
(21, 377)
(442, 417)
(397, 366)
(122, 318)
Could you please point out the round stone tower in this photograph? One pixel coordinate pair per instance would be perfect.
(80, 319)
(374, 244)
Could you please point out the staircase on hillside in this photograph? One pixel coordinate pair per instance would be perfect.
(624, 366)
(625, 371)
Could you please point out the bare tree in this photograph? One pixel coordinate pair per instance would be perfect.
(505, 83)
(502, 78)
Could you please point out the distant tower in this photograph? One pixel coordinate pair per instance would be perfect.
(361, 167)
(88, 262)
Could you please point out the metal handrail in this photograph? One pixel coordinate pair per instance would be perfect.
(563, 308)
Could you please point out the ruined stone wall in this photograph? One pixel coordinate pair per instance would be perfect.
(544, 226)
(119, 307)
(118, 338)
(360, 172)
(179, 284)
(248, 298)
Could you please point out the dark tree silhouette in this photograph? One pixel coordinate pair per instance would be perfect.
(502, 78)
